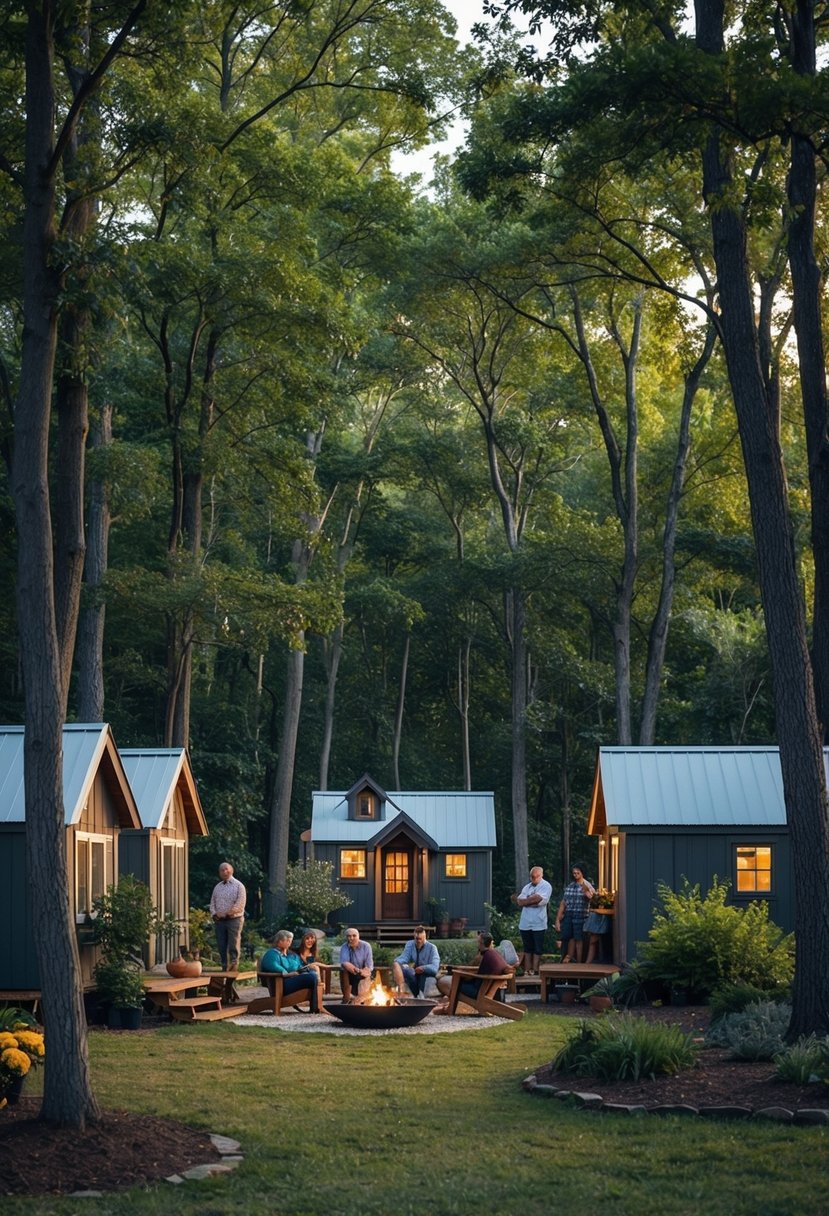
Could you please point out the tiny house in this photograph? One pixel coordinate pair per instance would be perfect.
(663, 814)
(157, 854)
(98, 805)
(394, 852)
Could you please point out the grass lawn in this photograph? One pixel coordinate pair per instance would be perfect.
(428, 1124)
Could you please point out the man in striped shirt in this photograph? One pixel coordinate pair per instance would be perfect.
(227, 907)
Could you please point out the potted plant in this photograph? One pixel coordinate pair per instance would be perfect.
(439, 915)
(119, 983)
(567, 993)
(600, 996)
(21, 1049)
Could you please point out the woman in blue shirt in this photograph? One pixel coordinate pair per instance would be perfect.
(297, 975)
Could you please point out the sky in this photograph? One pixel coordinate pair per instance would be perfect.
(466, 13)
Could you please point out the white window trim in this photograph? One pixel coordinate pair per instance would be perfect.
(87, 838)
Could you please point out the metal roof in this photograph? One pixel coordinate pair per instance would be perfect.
(85, 745)
(688, 787)
(154, 774)
(455, 819)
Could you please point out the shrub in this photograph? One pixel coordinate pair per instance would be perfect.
(625, 1048)
(503, 924)
(756, 1033)
(311, 892)
(124, 918)
(458, 952)
(733, 998)
(806, 1060)
(698, 943)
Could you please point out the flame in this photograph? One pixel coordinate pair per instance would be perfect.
(379, 995)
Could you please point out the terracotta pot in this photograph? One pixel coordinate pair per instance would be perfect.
(184, 968)
(600, 1003)
(567, 993)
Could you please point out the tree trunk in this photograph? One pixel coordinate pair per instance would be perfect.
(280, 810)
(398, 715)
(464, 651)
(68, 1097)
(521, 842)
(332, 651)
(90, 664)
(801, 758)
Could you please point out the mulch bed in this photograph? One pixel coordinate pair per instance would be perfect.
(123, 1150)
(715, 1081)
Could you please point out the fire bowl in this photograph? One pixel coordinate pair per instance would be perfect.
(382, 1017)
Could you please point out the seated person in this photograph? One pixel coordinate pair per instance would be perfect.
(490, 962)
(297, 975)
(356, 966)
(306, 947)
(418, 962)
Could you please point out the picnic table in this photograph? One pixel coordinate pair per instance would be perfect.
(221, 999)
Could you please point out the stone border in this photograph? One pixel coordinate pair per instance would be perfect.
(589, 1101)
(230, 1157)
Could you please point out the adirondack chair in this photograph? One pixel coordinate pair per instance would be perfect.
(277, 999)
(485, 1001)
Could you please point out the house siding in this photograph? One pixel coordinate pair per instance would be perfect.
(18, 966)
(650, 858)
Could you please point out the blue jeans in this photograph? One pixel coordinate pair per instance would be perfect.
(309, 980)
(416, 983)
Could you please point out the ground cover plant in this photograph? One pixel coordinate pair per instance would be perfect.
(403, 1124)
(625, 1048)
(755, 1033)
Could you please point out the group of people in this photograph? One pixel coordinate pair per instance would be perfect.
(419, 960)
(574, 920)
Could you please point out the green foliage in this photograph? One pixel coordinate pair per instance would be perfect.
(804, 1061)
(119, 982)
(606, 986)
(200, 932)
(756, 1033)
(631, 984)
(12, 1016)
(698, 943)
(124, 918)
(312, 894)
(438, 912)
(503, 924)
(733, 998)
(456, 952)
(625, 1048)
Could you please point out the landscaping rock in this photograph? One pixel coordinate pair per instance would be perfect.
(591, 1101)
(725, 1112)
(778, 1113)
(811, 1116)
(623, 1108)
(677, 1108)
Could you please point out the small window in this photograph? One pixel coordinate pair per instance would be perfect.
(93, 870)
(352, 863)
(365, 805)
(456, 865)
(754, 867)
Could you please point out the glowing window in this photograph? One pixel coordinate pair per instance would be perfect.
(396, 878)
(352, 863)
(456, 865)
(754, 867)
(365, 805)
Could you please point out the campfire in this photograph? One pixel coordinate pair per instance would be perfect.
(381, 1009)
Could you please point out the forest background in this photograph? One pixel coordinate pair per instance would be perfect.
(446, 487)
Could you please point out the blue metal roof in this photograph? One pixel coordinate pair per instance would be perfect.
(154, 774)
(688, 787)
(84, 746)
(455, 819)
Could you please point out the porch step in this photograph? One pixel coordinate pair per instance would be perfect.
(190, 1008)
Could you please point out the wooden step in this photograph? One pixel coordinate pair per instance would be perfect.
(213, 1015)
(186, 1009)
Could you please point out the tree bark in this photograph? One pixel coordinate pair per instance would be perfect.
(398, 713)
(801, 757)
(90, 662)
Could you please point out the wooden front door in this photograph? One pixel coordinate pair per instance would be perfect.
(398, 876)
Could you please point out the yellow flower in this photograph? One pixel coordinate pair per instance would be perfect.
(7, 1040)
(31, 1042)
(15, 1061)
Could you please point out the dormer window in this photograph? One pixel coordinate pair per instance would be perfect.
(366, 805)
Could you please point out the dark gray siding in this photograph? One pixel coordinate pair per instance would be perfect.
(463, 896)
(650, 858)
(18, 966)
(361, 911)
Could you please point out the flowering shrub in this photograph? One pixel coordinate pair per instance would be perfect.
(311, 892)
(602, 899)
(21, 1049)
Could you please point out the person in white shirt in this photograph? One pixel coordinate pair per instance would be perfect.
(533, 900)
(227, 907)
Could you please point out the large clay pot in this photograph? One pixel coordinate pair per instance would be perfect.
(184, 968)
(567, 993)
(600, 1003)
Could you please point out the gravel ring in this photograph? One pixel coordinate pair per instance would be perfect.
(321, 1023)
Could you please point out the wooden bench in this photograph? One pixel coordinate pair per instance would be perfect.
(21, 997)
(551, 974)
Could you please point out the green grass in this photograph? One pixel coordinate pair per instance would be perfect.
(399, 1125)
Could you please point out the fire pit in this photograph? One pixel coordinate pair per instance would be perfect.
(381, 1010)
(382, 1017)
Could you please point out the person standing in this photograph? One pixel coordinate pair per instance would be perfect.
(418, 961)
(227, 907)
(571, 914)
(356, 966)
(533, 900)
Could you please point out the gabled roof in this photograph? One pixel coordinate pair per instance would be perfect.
(457, 819)
(687, 787)
(86, 749)
(154, 775)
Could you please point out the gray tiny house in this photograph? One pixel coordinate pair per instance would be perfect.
(158, 853)
(392, 852)
(98, 805)
(663, 814)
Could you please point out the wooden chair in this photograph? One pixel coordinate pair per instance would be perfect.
(277, 999)
(485, 1001)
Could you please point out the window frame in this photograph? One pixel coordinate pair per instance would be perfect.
(353, 878)
(753, 892)
(85, 842)
(456, 877)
